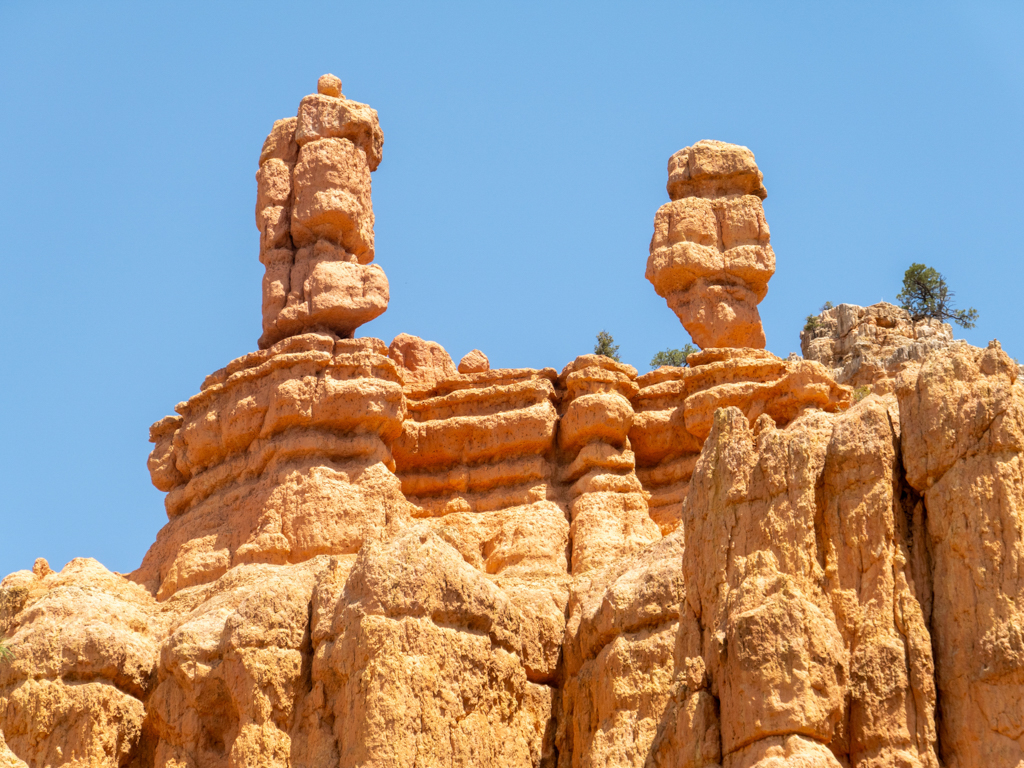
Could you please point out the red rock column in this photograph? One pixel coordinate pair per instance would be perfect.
(606, 503)
(315, 217)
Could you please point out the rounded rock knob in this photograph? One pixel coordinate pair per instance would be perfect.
(329, 85)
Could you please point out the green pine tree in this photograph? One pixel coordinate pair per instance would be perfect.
(673, 357)
(606, 346)
(925, 294)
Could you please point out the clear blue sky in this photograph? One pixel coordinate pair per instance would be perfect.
(524, 159)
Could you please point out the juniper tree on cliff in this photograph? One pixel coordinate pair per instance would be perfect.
(606, 346)
(674, 357)
(925, 294)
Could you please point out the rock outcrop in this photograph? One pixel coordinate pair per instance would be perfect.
(675, 408)
(271, 440)
(373, 558)
(962, 422)
(474, 361)
(869, 346)
(423, 363)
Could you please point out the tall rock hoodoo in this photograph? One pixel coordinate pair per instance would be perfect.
(373, 558)
(315, 218)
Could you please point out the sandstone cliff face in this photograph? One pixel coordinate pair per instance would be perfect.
(374, 558)
(962, 418)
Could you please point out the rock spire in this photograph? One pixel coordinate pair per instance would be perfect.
(315, 218)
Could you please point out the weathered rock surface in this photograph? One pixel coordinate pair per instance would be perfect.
(870, 346)
(86, 653)
(374, 559)
(423, 363)
(811, 620)
(962, 421)
(675, 408)
(608, 509)
(476, 459)
(273, 439)
(426, 643)
(635, 691)
(710, 254)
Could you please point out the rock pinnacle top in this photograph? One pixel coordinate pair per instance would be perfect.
(329, 85)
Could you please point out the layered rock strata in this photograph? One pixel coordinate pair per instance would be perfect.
(607, 506)
(710, 254)
(675, 408)
(476, 460)
(372, 558)
(272, 440)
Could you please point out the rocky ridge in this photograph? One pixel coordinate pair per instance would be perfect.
(376, 558)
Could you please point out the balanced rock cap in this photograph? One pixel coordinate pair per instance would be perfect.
(329, 85)
(714, 169)
(474, 361)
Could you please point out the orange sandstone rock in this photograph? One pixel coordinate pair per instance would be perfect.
(635, 690)
(962, 422)
(710, 254)
(675, 408)
(606, 502)
(474, 361)
(870, 346)
(477, 459)
(85, 646)
(423, 658)
(315, 217)
(423, 363)
(813, 622)
(250, 462)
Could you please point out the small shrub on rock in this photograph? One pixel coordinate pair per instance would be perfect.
(673, 357)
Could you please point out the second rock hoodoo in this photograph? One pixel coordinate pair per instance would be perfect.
(710, 257)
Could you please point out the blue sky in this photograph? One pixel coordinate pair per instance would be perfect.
(524, 158)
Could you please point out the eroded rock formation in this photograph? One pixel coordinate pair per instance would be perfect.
(710, 257)
(373, 558)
